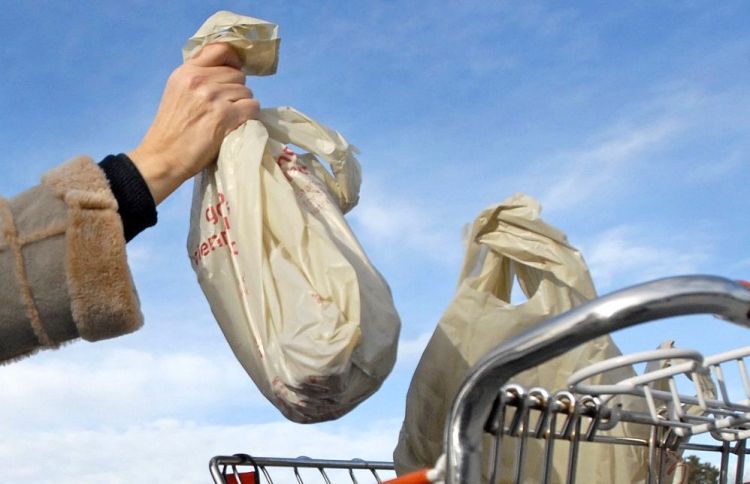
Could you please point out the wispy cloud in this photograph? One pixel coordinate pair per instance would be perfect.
(386, 220)
(593, 170)
(627, 255)
(650, 136)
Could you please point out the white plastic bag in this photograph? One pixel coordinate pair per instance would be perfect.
(510, 241)
(305, 312)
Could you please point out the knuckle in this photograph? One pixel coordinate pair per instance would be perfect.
(206, 93)
(219, 47)
(232, 74)
(196, 81)
(209, 95)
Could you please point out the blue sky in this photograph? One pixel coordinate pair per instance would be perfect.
(629, 122)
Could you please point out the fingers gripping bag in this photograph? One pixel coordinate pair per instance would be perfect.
(303, 309)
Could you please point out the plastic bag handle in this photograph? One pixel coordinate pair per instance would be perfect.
(638, 304)
(528, 274)
(290, 126)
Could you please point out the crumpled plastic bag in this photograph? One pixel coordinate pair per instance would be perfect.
(506, 242)
(256, 41)
(302, 307)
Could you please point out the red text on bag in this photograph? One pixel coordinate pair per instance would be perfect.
(216, 214)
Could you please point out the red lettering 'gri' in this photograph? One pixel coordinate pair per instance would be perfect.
(215, 214)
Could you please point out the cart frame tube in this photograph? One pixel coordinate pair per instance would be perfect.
(654, 300)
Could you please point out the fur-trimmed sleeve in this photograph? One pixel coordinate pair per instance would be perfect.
(63, 265)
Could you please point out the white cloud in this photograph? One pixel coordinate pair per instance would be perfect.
(642, 137)
(629, 254)
(122, 386)
(579, 175)
(387, 220)
(166, 451)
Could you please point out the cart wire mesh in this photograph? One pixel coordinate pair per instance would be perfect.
(687, 402)
(227, 470)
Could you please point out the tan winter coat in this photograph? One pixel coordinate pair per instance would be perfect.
(63, 267)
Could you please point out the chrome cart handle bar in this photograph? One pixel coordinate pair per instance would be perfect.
(654, 300)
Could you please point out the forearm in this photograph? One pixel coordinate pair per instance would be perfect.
(63, 265)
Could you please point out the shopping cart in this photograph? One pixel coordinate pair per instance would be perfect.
(687, 397)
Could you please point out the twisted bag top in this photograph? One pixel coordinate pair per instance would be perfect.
(255, 40)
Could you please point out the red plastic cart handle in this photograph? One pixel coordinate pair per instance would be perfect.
(245, 478)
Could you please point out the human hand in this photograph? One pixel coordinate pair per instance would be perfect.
(204, 100)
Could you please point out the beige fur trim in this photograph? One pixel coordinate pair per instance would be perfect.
(11, 237)
(104, 303)
(80, 174)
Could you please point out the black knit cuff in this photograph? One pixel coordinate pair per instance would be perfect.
(135, 204)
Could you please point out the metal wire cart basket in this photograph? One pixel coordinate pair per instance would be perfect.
(688, 403)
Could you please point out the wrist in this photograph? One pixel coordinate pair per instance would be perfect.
(161, 174)
(135, 203)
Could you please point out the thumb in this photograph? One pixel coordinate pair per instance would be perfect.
(216, 54)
